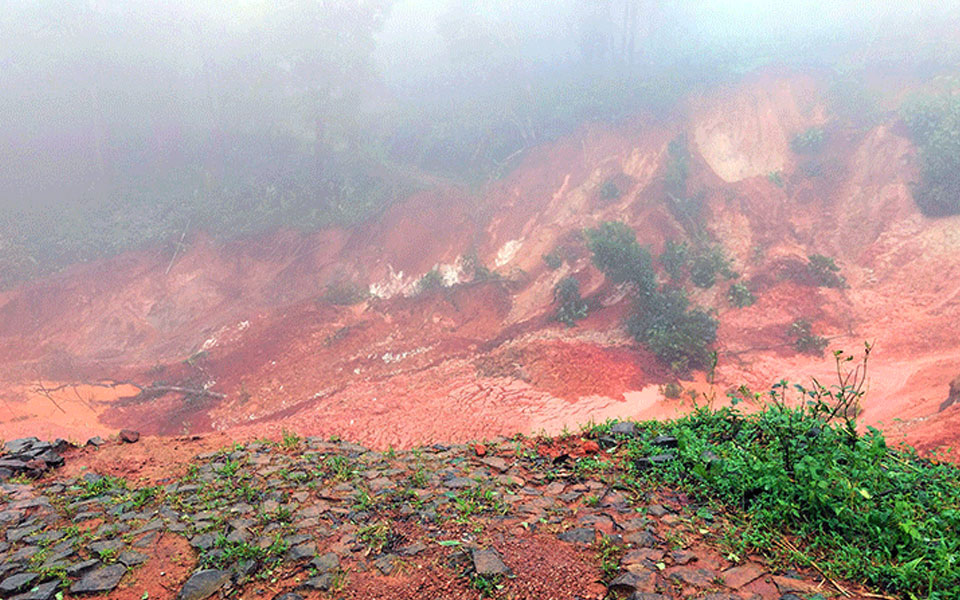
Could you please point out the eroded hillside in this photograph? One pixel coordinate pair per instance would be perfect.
(263, 335)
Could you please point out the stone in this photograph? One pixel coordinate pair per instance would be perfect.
(953, 396)
(665, 441)
(103, 579)
(487, 561)
(20, 445)
(44, 591)
(691, 576)
(131, 558)
(326, 563)
(288, 596)
(203, 584)
(17, 582)
(624, 428)
(301, 552)
(51, 458)
(82, 567)
(413, 549)
(129, 436)
(630, 582)
(737, 577)
(96, 441)
(459, 483)
(580, 535)
(321, 583)
(787, 585)
(385, 563)
(682, 557)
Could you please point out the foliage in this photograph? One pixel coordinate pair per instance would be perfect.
(825, 272)
(344, 292)
(678, 335)
(571, 307)
(776, 178)
(804, 340)
(678, 167)
(672, 390)
(809, 141)
(609, 191)
(799, 472)
(617, 253)
(706, 263)
(553, 260)
(934, 124)
(431, 280)
(675, 259)
(739, 295)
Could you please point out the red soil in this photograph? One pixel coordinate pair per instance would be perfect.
(478, 360)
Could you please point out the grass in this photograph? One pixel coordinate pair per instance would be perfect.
(800, 481)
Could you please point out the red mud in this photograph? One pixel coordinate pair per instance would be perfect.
(470, 362)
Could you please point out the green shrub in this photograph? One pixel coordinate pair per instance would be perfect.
(776, 178)
(825, 272)
(431, 280)
(609, 191)
(799, 470)
(804, 340)
(740, 296)
(678, 167)
(617, 253)
(343, 292)
(706, 263)
(676, 334)
(672, 390)
(934, 124)
(675, 259)
(553, 260)
(809, 141)
(571, 307)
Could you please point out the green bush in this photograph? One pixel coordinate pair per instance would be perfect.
(679, 336)
(809, 141)
(675, 259)
(678, 167)
(934, 124)
(617, 253)
(799, 470)
(825, 272)
(804, 340)
(343, 292)
(707, 262)
(571, 307)
(553, 260)
(609, 191)
(431, 280)
(740, 296)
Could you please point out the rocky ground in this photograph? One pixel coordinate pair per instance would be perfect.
(312, 518)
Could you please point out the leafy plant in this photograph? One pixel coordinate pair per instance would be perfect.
(553, 260)
(825, 272)
(675, 259)
(809, 141)
(609, 191)
(804, 340)
(934, 124)
(739, 295)
(706, 263)
(571, 307)
(678, 335)
(431, 280)
(776, 178)
(617, 253)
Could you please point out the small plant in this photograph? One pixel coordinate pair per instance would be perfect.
(776, 178)
(571, 307)
(374, 536)
(229, 469)
(553, 260)
(707, 262)
(675, 259)
(289, 440)
(672, 390)
(609, 191)
(609, 553)
(739, 295)
(809, 141)
(431, 280)
(487, 585)
(825, 272)
(804, 340)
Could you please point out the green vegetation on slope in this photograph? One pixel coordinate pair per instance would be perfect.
(934, 124)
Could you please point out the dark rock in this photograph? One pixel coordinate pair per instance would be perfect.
(44, 591)
(682, 557)
(82, 567)
(129, 436)
(326, 563)
(204, 541)
(301, 552)
(5, 473)
(953, 396)
(626, 428)
(459, 483)
(321, 583)
(51, 458)
(488, 562)
(110, 546)
(647, 596)
(244, 568)
(665, 441)
(131, 558)
(385, 563)
(96, 442)
(629, 582)
(580, 535)
(203, 584)
(17, 582)
(288, 596)
(103, 579)
(413, 549)
(694, 577)
(20, 445)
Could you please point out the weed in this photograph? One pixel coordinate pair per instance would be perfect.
(290, 440)
(608, 553)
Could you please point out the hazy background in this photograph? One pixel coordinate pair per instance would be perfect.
(123, 122)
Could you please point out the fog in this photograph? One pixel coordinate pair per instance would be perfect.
(124, 122)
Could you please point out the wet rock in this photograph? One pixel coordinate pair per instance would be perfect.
(694, 577)
(131, 558)
(326, 563)
(488, 562)
(44, 591)
(665, 441)
(203, 584)
(96, 441)
(103, 579)
(737, 577)
(681, 557)
(580, 535)
(204, 541)
(20, 445)
(288, 596)
(82, 567)
(629, 582)
(321, 583)
(625, 428)
(17, 582)
(129, 436)
(301, 552)
(385, 564)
